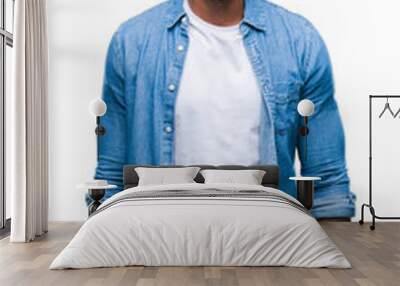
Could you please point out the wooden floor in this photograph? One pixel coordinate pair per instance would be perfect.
(375, 257)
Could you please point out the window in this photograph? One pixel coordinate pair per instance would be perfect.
(6, 44)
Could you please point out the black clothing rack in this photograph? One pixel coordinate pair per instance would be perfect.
(370, 204)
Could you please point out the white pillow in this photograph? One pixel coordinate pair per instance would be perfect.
(166, 176)
(248, 177)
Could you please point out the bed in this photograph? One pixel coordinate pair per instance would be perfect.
(201, 224)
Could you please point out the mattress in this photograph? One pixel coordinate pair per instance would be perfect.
(201, 225)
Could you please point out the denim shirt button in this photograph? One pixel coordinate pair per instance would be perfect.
(184, 19)
(168, 129)
(180, 48)
(171, 87)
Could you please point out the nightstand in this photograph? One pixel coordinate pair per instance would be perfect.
(305, 190)
(96, 190)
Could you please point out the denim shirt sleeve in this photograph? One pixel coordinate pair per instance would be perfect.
(112, 146)
(326, 141)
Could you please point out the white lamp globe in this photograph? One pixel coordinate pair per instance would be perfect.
(98, 107)
(306, 108)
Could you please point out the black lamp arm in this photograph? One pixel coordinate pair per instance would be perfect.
(100, 131)
(304, 132)
(304, 129)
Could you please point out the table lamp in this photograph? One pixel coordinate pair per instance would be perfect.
(306, 109)
(98, 108)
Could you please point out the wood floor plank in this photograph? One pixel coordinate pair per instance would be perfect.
(375, 257)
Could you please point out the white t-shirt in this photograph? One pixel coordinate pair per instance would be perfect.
(218, 106)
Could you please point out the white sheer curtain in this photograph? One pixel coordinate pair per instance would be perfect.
(28, 120)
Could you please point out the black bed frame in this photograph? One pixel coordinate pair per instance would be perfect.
(270, 179)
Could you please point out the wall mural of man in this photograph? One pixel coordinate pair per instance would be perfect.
(218, 82)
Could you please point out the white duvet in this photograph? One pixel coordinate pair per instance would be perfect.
(193, 231)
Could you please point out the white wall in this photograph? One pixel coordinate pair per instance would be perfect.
(363, 40)
(79, 33)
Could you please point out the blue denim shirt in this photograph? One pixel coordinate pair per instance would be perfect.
(291, 62)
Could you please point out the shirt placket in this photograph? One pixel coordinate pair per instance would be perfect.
(175, 70)
(268, 152)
